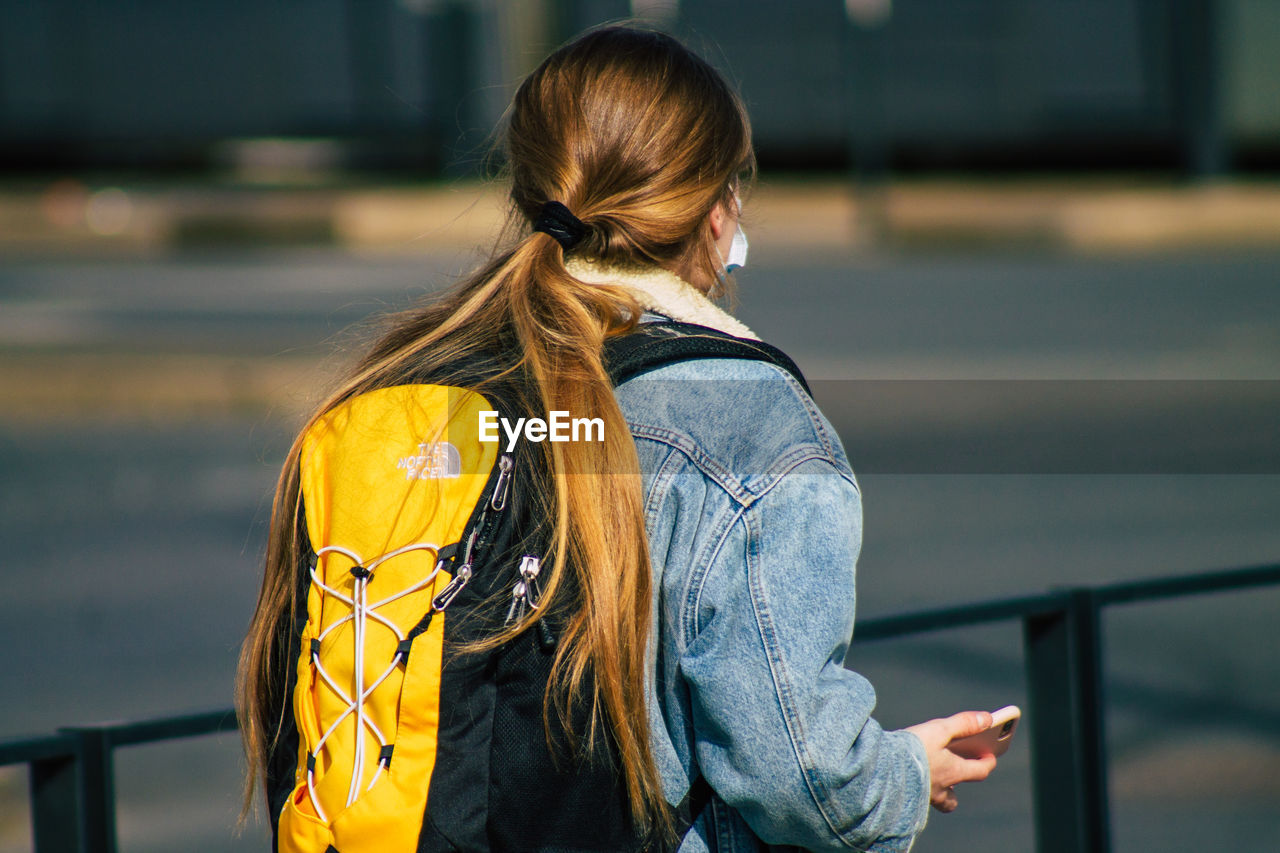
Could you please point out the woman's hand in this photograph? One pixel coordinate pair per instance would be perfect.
(946, 769)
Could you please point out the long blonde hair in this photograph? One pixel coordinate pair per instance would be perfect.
(640, 139)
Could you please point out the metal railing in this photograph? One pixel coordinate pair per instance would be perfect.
(72, 787)
(72, 777)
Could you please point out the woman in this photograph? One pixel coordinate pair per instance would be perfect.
(698, 572)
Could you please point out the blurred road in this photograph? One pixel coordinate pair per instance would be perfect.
(132, 533)
(969, 315)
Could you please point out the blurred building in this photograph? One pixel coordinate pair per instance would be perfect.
(1189, 85)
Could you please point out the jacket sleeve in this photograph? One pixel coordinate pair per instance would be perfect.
(798, 753)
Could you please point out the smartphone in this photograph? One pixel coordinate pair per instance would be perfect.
(993, 741)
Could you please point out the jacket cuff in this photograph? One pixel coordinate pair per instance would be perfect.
(920, 760)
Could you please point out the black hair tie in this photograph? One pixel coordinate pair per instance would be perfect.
(556, 220)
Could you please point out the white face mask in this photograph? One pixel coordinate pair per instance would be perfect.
(737, 251)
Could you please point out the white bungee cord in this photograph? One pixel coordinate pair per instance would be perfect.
(361, 613)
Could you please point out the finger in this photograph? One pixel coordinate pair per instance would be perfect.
(977, 769)
(967, 723)
(945, 800)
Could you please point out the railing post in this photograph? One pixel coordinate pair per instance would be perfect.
(96, 794)
(55, 804)
(1068, 749)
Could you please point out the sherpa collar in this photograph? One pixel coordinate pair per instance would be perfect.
(657, 289)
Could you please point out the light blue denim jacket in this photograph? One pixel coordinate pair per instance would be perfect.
(754, 521)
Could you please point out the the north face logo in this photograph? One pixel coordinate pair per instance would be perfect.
(435, 460)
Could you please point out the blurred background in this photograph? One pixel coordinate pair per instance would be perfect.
(1029, 250)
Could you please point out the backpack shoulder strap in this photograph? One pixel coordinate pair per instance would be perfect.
(653, 345)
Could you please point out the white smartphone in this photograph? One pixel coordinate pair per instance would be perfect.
(993, 741)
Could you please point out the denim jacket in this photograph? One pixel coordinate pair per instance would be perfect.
(754, 521)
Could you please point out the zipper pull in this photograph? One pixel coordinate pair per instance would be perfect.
(525, 594)
(530, 566)
(499, 499)
(518, 601)
(450, 592)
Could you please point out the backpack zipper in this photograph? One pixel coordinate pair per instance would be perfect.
(497, 502)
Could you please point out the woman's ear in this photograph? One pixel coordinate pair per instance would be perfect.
(718, 218)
